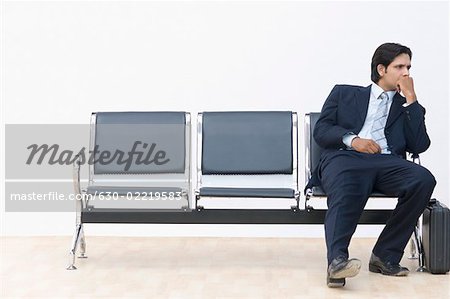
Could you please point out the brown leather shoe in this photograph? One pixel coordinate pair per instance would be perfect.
(376, 265)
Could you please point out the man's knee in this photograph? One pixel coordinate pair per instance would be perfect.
(427, 178)
(423, 179)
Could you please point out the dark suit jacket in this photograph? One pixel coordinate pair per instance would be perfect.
(345, 111)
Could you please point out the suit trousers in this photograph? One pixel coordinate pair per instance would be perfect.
(349, 177)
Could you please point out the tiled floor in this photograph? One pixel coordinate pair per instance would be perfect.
(141, 267)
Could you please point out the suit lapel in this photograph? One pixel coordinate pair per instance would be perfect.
(396, 109)
(362, 102)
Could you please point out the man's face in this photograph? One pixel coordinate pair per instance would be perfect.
(397, 69)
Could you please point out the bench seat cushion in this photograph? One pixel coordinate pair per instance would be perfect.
(248, 192)
(318, 191)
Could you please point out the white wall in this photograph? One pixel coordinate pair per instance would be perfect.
(63, 60)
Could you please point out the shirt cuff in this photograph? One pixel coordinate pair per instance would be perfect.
(407, 104)
(348, 138)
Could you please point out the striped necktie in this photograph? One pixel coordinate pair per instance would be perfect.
(380, 122)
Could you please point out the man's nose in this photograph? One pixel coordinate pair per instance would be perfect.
(406, 72)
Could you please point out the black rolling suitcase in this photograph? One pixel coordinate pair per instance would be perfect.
(436, 237)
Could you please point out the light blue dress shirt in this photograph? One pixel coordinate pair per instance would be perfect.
(374, 102)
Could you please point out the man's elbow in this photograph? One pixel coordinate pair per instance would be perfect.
(319, 137)
(424, 146)
(420, 147)
(321, 142)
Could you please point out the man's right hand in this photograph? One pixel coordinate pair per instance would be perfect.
(367, 146)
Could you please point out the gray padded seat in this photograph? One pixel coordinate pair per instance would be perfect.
(247, 143)
(318, 191)
(248, 192)
(155, 132)
(118, 131)
(314, 158)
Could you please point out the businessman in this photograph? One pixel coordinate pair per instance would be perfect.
(365, 133)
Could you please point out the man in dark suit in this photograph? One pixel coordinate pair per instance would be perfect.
(366, 132)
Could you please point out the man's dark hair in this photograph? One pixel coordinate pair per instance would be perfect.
(385, 54)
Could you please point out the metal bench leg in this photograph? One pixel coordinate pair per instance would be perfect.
(418, 237)
(72, 252)
(82, 244)
(79, 202)
(413, 248)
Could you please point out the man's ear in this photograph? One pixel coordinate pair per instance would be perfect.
(381, 69)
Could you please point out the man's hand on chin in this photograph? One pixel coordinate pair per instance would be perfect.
(405, 85)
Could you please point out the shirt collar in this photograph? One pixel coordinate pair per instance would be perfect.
(377, 91)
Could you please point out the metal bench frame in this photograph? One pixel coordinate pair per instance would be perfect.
(196, 214)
